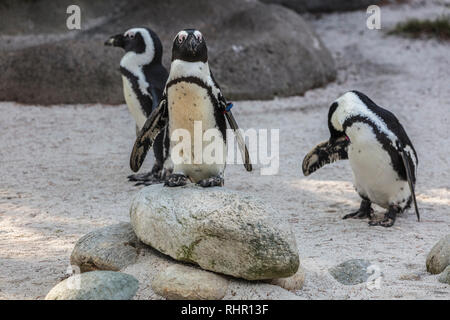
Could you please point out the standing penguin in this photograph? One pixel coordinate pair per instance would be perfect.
(382, 157)
(144, 78)
(191, 96)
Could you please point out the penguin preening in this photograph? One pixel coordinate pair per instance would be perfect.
(191, 95)
(143, 78)
(382, 157)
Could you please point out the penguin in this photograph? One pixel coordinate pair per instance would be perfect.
(143, 78)
(191, 96)
(381, 155)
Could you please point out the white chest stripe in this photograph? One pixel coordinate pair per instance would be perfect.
(133, 103)
(180, 69)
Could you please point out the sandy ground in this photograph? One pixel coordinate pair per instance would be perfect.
(63, 169)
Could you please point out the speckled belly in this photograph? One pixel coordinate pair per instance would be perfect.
(189, 103)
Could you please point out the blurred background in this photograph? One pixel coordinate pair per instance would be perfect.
(258, 49)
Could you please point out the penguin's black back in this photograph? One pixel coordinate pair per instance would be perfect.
(156, 75)
(394, 125)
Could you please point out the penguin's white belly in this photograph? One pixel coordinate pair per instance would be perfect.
(189, 103)
(374, 176)
(133, 103)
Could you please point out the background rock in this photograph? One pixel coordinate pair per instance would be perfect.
(351, 272)
(219, 229)
(110, 248)
(439, 257)
(445, 276)
(60, 72)
(179, 282)
(95, 285)
(256, 50)
(324, 5)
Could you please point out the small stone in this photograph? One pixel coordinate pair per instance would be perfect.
(410, 277)
(292, 283)
(179, 282)
(95, 285)
(439, 257)
(445, 276)
(110, 248)
(351, 272)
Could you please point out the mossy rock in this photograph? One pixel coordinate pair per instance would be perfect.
(218, 229)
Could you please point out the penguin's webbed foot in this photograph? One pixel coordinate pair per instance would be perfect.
(140, 176)
(388, 220)
(148, 182)
(359, 214)
(216, 181)
(153, 177)
(365, 211)
(176, 180)
(145, 179)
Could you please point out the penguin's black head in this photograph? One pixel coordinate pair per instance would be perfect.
(189, 45)
(139, 41)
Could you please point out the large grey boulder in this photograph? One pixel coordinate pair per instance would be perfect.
(180, 282)
(67, 71)
(315, 6)
(439, 257)
(95, 285)
(219, 229)
(110, 248)
(256, 50)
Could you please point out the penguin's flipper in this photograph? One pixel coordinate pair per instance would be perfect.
(226, 108)
(154, 124)
(240, 139)
(410, 181)
(325, 153)
(155, 98)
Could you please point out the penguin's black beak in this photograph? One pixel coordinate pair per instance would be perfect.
(192, 43)
(338, 140)
(116, 41)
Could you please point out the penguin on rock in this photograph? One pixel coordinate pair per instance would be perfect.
(191, 98)
(143, 78)
(382, 157)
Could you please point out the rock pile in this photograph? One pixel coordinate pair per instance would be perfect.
(220, 230)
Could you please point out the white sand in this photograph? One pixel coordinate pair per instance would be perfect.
(63, 170)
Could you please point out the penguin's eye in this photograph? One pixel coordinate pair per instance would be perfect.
(129, 34)
(181, 38)
(198, 36)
